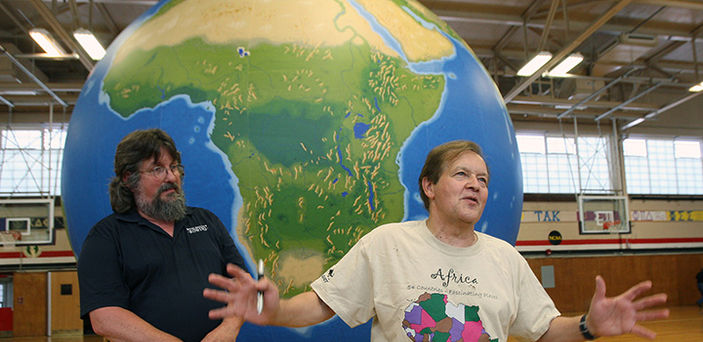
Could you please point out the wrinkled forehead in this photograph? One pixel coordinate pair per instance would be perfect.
(163, 157)
(475, 161)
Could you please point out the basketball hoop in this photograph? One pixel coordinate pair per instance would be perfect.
(608, 224)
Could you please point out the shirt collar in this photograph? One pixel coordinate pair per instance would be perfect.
(133, 216)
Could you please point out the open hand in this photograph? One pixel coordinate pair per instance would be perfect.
(240, 294)
(610, 316)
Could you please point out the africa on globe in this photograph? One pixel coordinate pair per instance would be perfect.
(303, 125)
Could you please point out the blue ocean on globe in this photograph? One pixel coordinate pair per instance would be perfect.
(470, 108)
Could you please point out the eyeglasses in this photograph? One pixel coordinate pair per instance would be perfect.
(160, 172)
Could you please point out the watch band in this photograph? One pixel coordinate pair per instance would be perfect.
(584, 329)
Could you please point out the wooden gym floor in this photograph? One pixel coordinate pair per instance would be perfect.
(685, 324)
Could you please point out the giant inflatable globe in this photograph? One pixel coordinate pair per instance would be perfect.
(302, 125)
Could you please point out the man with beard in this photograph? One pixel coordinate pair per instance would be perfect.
(142, 269)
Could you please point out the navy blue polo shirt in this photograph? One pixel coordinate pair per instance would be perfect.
(129, 262)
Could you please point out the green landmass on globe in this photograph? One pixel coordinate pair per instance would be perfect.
(343, 103)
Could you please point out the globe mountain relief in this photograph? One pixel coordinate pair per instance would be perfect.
(302, 124)
(317, 180)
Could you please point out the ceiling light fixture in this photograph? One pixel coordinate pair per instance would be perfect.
(90, 44)
(633, 123)
(535, 63)
(696, 88)
(566, 65)
(47, 42)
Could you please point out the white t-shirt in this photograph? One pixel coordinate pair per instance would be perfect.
(413, 285)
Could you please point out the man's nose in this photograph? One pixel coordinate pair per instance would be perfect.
(472, 181)
(171, 174)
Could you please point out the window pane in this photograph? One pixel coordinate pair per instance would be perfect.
(688, 149)
(560, 145)
(54, 138)
(635, 147)
(21, 139)
(665, 167)
(562, 171)
(662, 166)
(690, 176)
(637, 175)
(534, 172)
(593, 159)
(556, 170)
(30, 163)
(530, 143)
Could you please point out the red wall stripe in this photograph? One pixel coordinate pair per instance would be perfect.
(608, 241)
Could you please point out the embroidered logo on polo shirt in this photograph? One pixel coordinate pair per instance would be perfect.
(197, 229)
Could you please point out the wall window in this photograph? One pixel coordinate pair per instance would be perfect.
(663, 166)
(550, 164)
(30, 161)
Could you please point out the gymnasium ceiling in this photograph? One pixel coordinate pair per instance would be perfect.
(639, 55)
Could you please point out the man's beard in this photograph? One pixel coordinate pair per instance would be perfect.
(170, 210)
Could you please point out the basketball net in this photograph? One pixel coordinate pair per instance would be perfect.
(9, 239)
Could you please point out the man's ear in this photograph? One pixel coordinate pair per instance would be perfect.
(125, 178)
(428, 188)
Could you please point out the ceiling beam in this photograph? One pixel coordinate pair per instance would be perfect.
(40, 100)
(598, 105)
(661, 110)
(694, 5)
(531, 9)
(596, 93)
(6, 102)
(55, 86)
(630, 100)
(495, 17)
(109, 21)
(551, 113)
(33, 77)
(12, 17)
(548, 25)
(567, 50)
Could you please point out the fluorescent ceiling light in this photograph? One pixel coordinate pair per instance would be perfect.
(18, 92)
(567, 64)
(89, 43)
(47, 42)
(535, 63)
(696, 88)
(633, 123)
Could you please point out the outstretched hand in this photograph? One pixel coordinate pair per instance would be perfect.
(240, 296)
(610, 316)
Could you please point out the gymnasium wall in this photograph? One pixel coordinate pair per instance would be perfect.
(40, 296)
(669, 232)
(657, 225)
(574, 277)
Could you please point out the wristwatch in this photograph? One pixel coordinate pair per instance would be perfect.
(584, 329)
